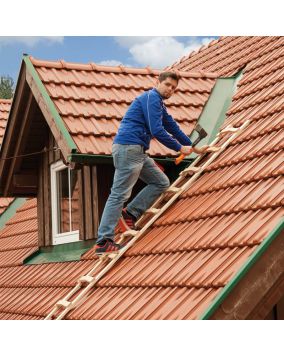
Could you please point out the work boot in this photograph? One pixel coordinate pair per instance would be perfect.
(126, 221)
(107, 246)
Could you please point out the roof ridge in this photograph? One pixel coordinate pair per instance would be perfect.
(120, 69)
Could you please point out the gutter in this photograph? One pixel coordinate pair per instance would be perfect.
(51, 107)
(244, 270)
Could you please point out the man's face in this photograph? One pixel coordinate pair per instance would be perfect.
(167, 87)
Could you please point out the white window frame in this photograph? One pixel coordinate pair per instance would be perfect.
(60, 238)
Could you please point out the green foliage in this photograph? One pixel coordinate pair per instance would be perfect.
(6, 87)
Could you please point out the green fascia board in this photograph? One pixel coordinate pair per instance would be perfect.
(243, 270)
(57, 119)
(60, 253)
(11, 210)
(214, 112)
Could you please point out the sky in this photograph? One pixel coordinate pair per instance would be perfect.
(135, 51)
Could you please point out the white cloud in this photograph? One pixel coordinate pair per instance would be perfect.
(30, 41)
(111, 62)
(195, 43)
(130, 41)
(159, 52)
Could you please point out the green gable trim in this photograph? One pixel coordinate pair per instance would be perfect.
(11, 210)
(59, 253)
(214, 112)
(57, 119)
(244, 269)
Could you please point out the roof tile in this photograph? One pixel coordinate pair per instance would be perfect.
(88, 96)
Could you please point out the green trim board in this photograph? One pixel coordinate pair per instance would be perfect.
(57, 119)
(60, 253)
(11, 210)
(244, 270)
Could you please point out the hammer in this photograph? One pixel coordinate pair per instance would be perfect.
(201, 134)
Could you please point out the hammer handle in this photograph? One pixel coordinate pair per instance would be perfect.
(179, 159)
(182, 156)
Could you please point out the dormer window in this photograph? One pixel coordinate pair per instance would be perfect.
(64, 204)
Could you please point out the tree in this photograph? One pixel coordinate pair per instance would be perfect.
(6, 87)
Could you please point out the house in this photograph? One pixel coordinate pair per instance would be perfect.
(215, 253)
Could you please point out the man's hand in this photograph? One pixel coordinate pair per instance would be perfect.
(201, 150)
(186, 149)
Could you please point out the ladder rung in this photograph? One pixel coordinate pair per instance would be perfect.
(86, 279)
(213, 149)
(191, 169)
(173, 189)
(228, 129)
(63, 303)
(153, 210)
(130, 233)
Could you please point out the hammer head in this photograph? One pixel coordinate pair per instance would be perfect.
(201, 134)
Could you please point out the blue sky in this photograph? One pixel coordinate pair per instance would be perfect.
(136, 51)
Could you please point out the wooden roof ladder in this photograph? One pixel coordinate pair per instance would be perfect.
(86, 282)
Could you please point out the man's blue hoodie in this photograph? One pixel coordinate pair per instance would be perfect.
(147, 117)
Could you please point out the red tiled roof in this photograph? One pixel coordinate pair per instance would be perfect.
(5, 106)
(92, 99)
(198, 245)
(19, 238)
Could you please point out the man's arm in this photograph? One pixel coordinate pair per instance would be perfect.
(153, 113)
(172, 127)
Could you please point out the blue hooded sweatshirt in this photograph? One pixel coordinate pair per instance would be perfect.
(147, 117)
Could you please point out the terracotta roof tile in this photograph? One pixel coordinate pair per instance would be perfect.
(5, 106)
(19, 239)
(89, 97)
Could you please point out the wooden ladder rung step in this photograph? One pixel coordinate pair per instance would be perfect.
(85, 279)
(63, 303)
(213, 149)
(130, 233)
(173, 189)
(153, 210)
(228, 129)
(191, 169)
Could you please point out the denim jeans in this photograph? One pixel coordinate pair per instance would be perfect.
(131, 163)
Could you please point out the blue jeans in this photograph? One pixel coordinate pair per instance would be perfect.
(131, 163)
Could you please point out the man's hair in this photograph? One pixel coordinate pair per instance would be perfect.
(169, 74)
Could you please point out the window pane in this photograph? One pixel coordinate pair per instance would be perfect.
(63, 201)
(68, 206)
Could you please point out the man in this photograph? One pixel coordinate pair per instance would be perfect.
(145, 118)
